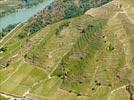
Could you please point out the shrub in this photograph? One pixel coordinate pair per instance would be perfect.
(110, 48)
(9, 28)
(22, 35)
(2, 34)
(3, 49)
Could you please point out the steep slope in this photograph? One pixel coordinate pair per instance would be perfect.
(111, 67)
(101, 58)
(61, 9)
(88, 57)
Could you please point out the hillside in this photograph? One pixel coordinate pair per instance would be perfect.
(87, 56)
(59, 10)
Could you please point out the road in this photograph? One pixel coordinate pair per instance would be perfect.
(2, 40)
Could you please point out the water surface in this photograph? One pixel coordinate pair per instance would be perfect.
(22, 15)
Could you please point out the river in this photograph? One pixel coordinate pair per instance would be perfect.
(22, 15)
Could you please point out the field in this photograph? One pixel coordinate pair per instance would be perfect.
(20, 78)
(89, 57)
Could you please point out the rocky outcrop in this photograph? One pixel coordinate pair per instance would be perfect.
(130, 90)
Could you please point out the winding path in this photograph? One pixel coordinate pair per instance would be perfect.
(10, 97)
(122, 87)
(125, 44)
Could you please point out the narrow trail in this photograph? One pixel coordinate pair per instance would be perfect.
(116, 14)
(2, 40)
(11, 74)
(95, 72)
(35, 84)
(129, 18)
(126, 46)
(126, 13)
(112, 92)
(11, 97)
(23, 97)
(122, 36)
(125, 40)
(58, 63)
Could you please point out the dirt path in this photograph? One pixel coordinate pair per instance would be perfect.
(28, 90)
(10, 97)
(129, 18)
(2, 40)
(126, 47)
(35, 84)
(112, 92)
(11, 74)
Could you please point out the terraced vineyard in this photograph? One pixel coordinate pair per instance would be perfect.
(88, 57)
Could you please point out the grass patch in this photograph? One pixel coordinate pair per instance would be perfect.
(22, 79)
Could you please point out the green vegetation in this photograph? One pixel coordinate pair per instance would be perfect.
(3, 98)
(23, 77)
(22, 35)
(2, 49)
(47, 87)
(77, 61)
(9, 28)
(61, 9)
(87, 57)
(2, 34)
(6, 30)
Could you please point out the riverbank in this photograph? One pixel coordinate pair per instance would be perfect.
(6, 30)
(22, 15)
(6, 8)
(59, 10)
